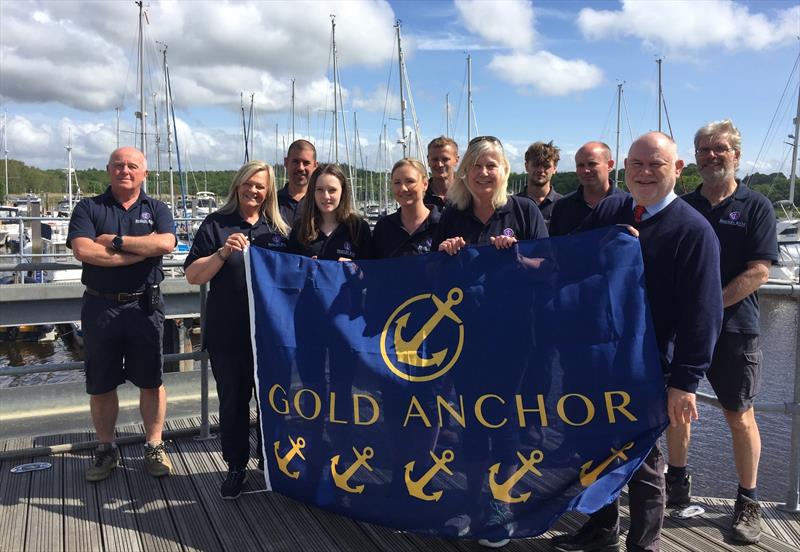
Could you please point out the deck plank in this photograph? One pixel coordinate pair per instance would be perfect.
(14, 501)
(45, 528)
(82, 528)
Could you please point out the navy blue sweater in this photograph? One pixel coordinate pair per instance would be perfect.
(681, 266)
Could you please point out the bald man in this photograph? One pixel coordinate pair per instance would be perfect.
(681, 265)
(120, 237)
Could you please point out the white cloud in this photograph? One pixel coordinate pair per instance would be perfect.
(68, 53)
(451, 42)
(547, 73)
(509, 23)
(681, 25)
(378, 100)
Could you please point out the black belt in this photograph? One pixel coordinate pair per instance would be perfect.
(118, 297)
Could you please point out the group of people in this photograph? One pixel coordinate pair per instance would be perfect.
(705, 255)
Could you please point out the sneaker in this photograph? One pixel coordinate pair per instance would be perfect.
(106, 458)
(457, 526)
(499, 522)
(156, 460)
(588, 539)
(679, 493)
(232, 486)
(746, 525)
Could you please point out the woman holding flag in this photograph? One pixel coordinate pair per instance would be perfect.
(250, 215)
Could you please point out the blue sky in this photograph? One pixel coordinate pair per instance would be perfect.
(540, 71)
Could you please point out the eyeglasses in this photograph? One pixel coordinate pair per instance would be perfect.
(491, 139)
(718, 150)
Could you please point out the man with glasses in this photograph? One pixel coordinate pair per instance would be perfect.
(442, 160)
(593, 165)
(744, 222)
(541, 163)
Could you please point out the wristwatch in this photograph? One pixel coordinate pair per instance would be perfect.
(116, 243)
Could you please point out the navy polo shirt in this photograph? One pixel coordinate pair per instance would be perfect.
(338, 244)
(519, 217)
(433, 201)
(745, 226)
(570, 211)
(228, 318)
(391, 239)
(102, 214)
(546, 206)
(290, 208)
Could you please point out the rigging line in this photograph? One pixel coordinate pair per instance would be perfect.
(606, 124)
(388, 84)
(666, 114)
(774, 116)
(457, 117)
(418, 138)
(627, 118)
(344, 126)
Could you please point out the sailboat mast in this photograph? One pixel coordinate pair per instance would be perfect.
(167, 98)
(5, 148)
(142, 114)
(793, 177)
(402, 98)
(158, 144)
(335, 93)
(68, 147)
(447, 113)
(292, 110)
(469, 98)
(658, 61)
(116, 108)
(616, 154)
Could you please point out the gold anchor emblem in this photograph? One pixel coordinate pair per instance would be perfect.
(407, 351)
(417, 488)
(283, 462)
(502, 491)
(341, 479)
(589, 477)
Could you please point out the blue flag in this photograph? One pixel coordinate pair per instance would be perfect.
(431, 393)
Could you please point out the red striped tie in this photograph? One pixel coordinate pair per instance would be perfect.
(638, 211)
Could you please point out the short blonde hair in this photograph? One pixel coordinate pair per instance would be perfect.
(269, 208)
(460, 194)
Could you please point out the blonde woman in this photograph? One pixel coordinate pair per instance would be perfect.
(250, 215)
(409, 230)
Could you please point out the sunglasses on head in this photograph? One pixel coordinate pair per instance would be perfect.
(492, 139)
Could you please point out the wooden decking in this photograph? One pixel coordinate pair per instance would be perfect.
(57, 509)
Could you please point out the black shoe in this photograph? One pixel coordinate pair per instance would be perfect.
(500, 522)
(232, 486)
(679, 492)
(587, 539)
(746, 526)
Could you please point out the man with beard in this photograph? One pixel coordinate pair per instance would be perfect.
(541, 163)
(593, 165)
(300, 162)
(744, 222)
(442, 160)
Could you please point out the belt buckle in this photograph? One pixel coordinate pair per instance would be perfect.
(123, 297)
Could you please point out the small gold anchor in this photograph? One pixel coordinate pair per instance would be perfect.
(283, 462)
(408, 351)
(589, 477)
(341, 479)
(502, 491)
(417, 488)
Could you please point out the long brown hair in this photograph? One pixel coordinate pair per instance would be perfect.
(312, 219)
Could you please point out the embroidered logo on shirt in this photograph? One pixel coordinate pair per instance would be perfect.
(508, 232)
(734, 219)
(147, 218)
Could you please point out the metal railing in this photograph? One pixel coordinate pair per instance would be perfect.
(791, 409)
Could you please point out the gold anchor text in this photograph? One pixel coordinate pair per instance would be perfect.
(283, 461)
(589, 477)
(408, 351)
(417, 488)
(341, 479)
(502, 491)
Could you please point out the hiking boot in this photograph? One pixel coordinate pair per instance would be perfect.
(679, 492)
(499, 522)
(588, 539)
(106, 458)
(746, 526)
(156, 461)
(231, 488)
